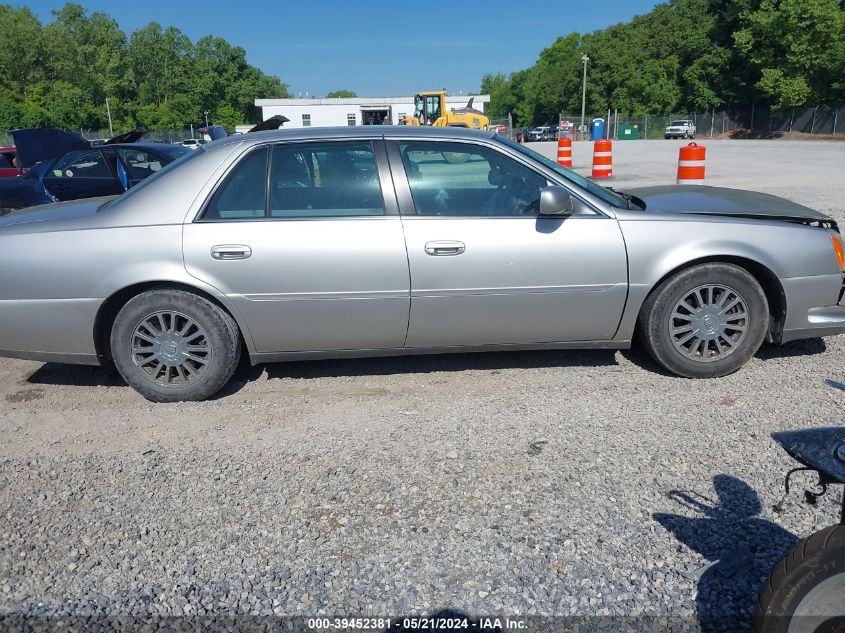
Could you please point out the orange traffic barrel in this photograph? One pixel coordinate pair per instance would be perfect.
(603, 158)
(691, 165)
(564, 151)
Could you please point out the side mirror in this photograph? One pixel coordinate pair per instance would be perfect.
(555, 200)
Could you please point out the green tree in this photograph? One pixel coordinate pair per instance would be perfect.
(687, 55)
(798, 48)
(341, 94)
(61, 73)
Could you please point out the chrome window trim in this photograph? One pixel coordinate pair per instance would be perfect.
(382, 167)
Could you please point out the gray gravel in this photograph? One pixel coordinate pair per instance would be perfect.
(568, 483)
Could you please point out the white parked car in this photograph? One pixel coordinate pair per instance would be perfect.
(194, 143)
(680, 129)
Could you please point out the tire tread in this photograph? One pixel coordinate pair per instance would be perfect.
(227, 355)
(766, 618)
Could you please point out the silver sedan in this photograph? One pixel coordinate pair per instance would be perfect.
(379, 241)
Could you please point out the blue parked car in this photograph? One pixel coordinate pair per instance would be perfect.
(64, 166)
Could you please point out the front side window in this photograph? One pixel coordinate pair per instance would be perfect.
(82, 164)
(597, 190)
(324, 180)
(460, 179)
(432, 108)
(306, 120)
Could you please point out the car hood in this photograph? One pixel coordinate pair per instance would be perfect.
(56, 211)
(721, 201)
(37, 144)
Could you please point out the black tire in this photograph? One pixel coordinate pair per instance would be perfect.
(220, 338)
(654, 320)
(818, 558)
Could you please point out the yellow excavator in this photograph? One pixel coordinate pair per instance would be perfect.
(430, 109)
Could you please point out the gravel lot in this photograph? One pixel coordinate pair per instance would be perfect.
(566, 483)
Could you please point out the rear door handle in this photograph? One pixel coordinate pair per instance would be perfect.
(231, 251)
(445, 247)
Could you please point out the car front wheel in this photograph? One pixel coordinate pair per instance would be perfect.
(706, 321)
(171, 346)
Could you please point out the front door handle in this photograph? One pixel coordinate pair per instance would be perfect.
(231, 251)
(445, 247)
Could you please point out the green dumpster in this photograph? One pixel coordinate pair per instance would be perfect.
(628, 132)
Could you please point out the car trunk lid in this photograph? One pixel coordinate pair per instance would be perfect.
(56, 211)
(34, 145)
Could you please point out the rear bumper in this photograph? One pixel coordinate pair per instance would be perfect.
(52, 330)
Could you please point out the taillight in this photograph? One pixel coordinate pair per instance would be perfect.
(837, 248)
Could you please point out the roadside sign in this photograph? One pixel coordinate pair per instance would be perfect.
(564, 125)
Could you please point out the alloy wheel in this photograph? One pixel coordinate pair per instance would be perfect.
(171, 348)
(708, 323)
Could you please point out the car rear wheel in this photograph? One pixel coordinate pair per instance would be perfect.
(172, 346)
(706, 321)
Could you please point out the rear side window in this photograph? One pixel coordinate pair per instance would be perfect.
(307, 180)
(324, 180)
(84, 164)
(241, 196)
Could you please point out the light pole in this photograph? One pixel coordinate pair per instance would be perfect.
(108, 109)
(584, 59)
(206, 118)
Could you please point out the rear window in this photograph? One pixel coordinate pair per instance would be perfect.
(5, 162)
(184, 158)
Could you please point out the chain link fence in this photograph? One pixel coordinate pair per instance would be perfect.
(737, 121)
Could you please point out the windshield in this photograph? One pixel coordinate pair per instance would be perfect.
(597, 190)
(678, 123)
(184, 158)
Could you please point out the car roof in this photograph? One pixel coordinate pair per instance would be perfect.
(145, 146)
(354, 132)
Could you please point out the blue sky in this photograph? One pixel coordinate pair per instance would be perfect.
(375, 49)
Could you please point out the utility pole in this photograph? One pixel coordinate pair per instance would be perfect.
(108, 109)
(206, 118)
(584, 59)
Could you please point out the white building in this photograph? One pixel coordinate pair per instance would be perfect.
(355, 111)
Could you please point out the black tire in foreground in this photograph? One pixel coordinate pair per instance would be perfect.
(706, 321)
(171, 346)
(805, 590)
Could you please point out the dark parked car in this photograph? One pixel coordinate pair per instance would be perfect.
(63, 166)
